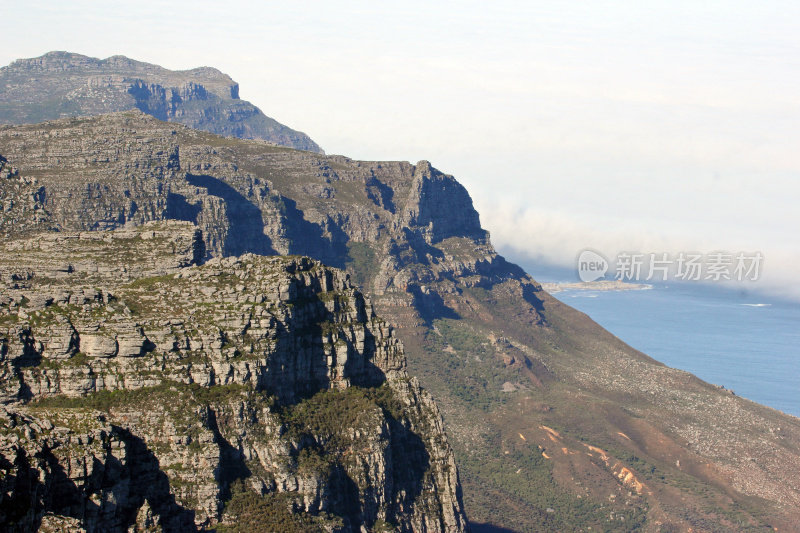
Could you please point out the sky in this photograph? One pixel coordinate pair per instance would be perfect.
(659, 126)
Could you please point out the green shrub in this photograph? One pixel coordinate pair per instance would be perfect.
(248, 512)
(360, 262)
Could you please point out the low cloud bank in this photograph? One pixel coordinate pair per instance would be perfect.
(548, 238)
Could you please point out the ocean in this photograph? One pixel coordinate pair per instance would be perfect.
(742, 341)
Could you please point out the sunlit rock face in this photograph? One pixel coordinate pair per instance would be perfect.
(143, 389)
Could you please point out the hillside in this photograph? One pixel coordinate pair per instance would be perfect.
(555, 423)
(63, 84)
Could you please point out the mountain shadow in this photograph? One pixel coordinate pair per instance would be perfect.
(477, 527)
(308, 238)
(179, 208)
(39, 485)
(298, 368)
(430, 305)
(245, 223)
(232, 465)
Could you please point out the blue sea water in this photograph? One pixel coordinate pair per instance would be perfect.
(742, 341)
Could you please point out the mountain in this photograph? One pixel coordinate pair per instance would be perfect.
(63, 84)
(554, 422)
(262, 392)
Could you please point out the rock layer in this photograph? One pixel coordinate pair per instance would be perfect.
(145, 396)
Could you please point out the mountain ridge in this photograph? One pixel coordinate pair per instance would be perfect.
(63, 84)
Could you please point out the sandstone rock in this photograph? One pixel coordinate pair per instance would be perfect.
(264, 336)
(132, 343)
(60, 340)
(99, 345)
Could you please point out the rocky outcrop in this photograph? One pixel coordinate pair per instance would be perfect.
(21, 202)
(176, 387)
(83, 474)
(62, 84)
(439, 207)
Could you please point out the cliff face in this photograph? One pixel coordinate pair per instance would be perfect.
(62, 84)
(21, 202)
(555, 423)
(142, 390)
(127, 168)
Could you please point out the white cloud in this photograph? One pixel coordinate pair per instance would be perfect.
(547, 238)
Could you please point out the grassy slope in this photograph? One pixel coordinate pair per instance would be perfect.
(569, 453)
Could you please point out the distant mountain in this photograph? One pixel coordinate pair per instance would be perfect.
(62, 84)
(555, 424)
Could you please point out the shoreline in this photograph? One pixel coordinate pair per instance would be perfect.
(602, 286)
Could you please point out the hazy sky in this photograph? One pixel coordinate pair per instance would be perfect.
(647, 126)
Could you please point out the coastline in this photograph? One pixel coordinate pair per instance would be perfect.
(602, 286)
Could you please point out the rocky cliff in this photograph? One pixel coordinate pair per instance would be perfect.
(555, 424)
(62, 84)
(21, 202)
(142, 390)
